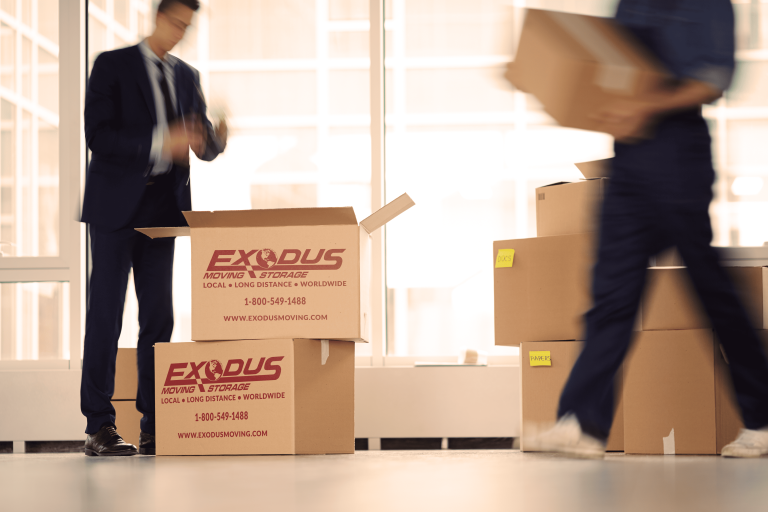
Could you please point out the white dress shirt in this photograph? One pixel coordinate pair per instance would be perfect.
(159, 159)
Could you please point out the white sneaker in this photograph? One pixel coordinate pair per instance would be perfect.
(566, 437)
(750, 443)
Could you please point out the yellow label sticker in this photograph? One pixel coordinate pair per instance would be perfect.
(540, 358)
(504, 258)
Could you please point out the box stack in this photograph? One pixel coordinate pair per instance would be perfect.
(673, 393)
(677, 390)
(542, 290)
(278, 298)
(127, 418)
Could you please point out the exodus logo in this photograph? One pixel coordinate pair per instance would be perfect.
(235, 371)
(267, 259)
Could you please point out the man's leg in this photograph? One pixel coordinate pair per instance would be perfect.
(747, 360)
(153, 274)
(111, 253)
(626, 242)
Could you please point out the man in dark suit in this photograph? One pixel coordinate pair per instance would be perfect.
(144, 111)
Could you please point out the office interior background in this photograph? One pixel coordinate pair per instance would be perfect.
(294, 78)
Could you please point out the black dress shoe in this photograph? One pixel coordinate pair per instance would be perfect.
(107, 442)
(146, 444)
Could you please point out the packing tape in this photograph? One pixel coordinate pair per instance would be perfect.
(616, 73)
(325, 351)
(669, 443)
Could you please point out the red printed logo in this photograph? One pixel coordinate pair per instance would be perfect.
(213, 370)
(236, 370)
(255, 260)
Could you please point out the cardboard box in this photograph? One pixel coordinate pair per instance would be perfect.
(128, 420)
(126, 375)
(543, 384)
(670, 302)
(569, 208)
(302, 272)
(544, 292)
(279, 396)
(669, 393)
(576, 64)
(728, 415)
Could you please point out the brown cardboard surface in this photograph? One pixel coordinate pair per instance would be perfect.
(325, 398)
(268, 300)
(542, 386)
(544, 295)
(670, 302)
(387, 213)
(277, 395)
(574, 64)
(127, 421)
(669, 383)
(569, 208)
(126, 375)
(596, 168)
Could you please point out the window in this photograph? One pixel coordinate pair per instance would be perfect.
(34, 315)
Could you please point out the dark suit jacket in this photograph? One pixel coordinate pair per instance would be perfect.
(120, 116)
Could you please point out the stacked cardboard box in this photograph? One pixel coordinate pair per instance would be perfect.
(541, 288)
(674, 391)
(127, 418)
(677, 393)
(278, 297)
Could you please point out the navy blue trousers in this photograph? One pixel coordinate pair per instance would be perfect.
(113, 254)
(659, 196)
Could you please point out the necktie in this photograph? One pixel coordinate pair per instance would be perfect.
(170, 112)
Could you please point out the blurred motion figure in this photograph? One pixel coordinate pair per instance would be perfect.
(658, 197)
(143, 113)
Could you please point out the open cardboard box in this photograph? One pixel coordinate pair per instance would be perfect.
(283, 273)
(572, 208)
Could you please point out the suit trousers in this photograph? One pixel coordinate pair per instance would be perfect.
(658, 197)
(114, 253)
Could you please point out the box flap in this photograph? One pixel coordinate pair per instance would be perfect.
(272, 217)
(596, 169)
(555, 184)
(164, 232)
(387, 213)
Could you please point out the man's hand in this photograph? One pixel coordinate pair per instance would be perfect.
(628, 121)
(631, 120)
(176, 144)
(197, 135)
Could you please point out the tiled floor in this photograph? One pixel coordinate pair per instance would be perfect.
(386, 480)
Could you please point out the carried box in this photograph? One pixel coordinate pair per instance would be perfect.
(576, 64)
(670, 302)
(572, 208)
(545, 367)
(542, 287)
(245, 397)
(303, 272)
(126, 375)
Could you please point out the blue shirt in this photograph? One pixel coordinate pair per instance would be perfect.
(694, 39)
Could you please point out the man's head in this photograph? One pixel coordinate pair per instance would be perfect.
(173, 18)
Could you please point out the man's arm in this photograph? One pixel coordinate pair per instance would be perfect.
(709, 39)
(213, 140)
(101, 133)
